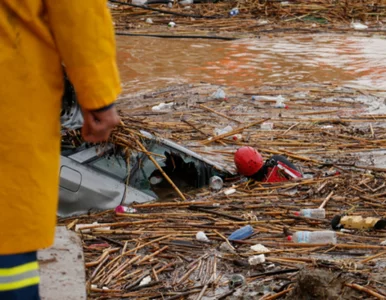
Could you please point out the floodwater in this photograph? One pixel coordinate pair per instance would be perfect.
(149, 63)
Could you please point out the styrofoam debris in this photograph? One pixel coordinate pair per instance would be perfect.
(256, 259)
(266, 126)
(201, 236)
(260, 248)
(359, 26)
(78, 227)
(162, 106)
(145, 281)
(229, 191)
(262, 22)
(100, 228)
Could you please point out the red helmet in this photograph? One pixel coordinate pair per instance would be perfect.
(248, 161)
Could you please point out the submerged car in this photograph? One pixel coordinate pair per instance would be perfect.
(103, 176)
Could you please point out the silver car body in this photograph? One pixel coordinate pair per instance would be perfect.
(99, 177)
(96, 177)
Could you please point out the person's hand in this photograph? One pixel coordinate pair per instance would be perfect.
(98, 125)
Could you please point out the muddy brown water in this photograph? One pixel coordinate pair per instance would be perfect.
(149, 63)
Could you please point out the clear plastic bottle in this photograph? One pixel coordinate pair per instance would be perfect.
(242, 233)
(216, 183)
(317, 213)
(234, 11)
(314, 237)
(280, 102)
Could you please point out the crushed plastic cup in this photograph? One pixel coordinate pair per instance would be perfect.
(172, 24)
(149, 21)
(216, 183)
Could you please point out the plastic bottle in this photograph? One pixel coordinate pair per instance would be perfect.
(280, 102)
(242, 233)
(314, 237)
(317, 213)
(216, 183)
(220, 131)
(125, 209)
(234, 11)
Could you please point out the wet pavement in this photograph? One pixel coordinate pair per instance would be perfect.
(150, 63)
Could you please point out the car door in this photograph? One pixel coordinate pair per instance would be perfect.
(91, 181)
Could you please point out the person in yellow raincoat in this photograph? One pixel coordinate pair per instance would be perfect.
(38, 38)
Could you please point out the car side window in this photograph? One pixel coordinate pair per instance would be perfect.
(181, 168)
(145, 167)
(112, 164)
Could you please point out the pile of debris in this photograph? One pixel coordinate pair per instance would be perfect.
(234, 243)
(243, 18)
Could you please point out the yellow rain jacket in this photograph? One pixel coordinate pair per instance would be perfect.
(36, 37)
